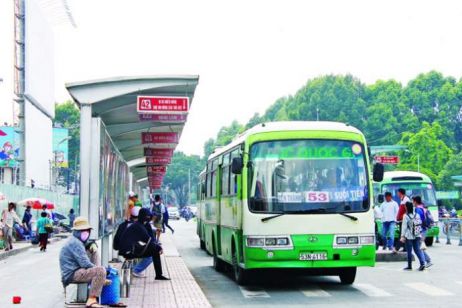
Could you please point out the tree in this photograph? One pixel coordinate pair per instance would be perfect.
(67, 115)
(453, 167)
(178, 173)
(427, 147)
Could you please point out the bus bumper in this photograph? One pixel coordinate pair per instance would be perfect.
(361, 255)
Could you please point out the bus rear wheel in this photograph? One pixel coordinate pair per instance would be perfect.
(347, 275)
(202, 244)
(218, 264)
(241, 276)
(429, 241)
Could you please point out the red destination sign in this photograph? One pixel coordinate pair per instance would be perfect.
(158, 152)
(158, 160)
(162, 104)
(163, 137)
(156, 169)
(387, 160)
(165, 118)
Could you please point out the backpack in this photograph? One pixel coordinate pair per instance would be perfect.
(120, 230)
(415, 225)
(429, 221)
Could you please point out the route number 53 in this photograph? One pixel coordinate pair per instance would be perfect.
(316, 196)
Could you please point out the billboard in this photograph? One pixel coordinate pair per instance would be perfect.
(61, 147)
(9, 147)
(9, 150)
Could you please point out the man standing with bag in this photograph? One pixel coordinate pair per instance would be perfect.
(389, 211)
(425, 217)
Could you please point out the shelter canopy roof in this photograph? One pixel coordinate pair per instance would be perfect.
(114, 101)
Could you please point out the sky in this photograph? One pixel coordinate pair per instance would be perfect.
(248, 53)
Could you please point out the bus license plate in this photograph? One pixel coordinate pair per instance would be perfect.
(304, 256)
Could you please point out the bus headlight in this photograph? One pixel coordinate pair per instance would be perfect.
(341, 240)
(255, 242)
(270, 241)
(283, 241)
(353, 240)
(367, 240)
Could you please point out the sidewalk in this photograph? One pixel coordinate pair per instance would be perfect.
(181, 291)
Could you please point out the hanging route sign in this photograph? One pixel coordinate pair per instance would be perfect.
(162, 104)
(387, 160)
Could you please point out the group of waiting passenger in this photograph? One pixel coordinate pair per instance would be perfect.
(135, 239)
(413, 220)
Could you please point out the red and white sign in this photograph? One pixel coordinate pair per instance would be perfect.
(162, 104)
(152, 152)
(156, 170)
(387, 160)
(158, 160)
(165, 118)
(157, 137)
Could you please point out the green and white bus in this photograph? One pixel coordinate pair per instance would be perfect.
(414, 183)
(290, 195)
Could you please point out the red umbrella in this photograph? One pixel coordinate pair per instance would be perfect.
(38, 206)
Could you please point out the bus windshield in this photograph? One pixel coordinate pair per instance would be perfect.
(308, 176)
(424, 190)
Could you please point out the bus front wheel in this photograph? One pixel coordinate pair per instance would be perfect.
(347, 275)
(240, 275)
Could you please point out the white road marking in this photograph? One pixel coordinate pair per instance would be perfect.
(371, 290)
(459, 282)
(428, 289)
(254, 292)
(314, 291)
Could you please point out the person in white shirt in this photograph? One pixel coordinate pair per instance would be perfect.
(389, 211)
(9, 217)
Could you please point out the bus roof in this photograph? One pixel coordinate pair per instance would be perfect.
(403, 176)
(287, 126)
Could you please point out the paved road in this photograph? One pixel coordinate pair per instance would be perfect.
(34, 276)
(385, 285)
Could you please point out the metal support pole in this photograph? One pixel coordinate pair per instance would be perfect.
(105, 251)
(85, 158)
(460, 233)
(448, 232)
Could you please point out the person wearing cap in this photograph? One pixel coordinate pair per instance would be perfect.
(138, 241)
(132, 201)
(143, 264)
(80, 265)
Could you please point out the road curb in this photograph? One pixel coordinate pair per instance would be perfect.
(390, 257)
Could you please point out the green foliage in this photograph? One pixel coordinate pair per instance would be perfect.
(177, 177)
(67, 115)
(425, 115)
(427, 147)
(453, 167)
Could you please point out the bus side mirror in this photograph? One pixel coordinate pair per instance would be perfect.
(237, 165)
(380, 198)
(377, 173)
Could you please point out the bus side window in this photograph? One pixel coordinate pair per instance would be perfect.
(225, 176)
(213, 184)
(233, 177)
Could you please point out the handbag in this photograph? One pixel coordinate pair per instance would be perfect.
(139, 248)
(48, 228)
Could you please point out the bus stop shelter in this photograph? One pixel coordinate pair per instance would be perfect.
(112, 151)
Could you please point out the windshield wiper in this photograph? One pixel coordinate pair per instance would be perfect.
(349, 216)
(271, 217)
